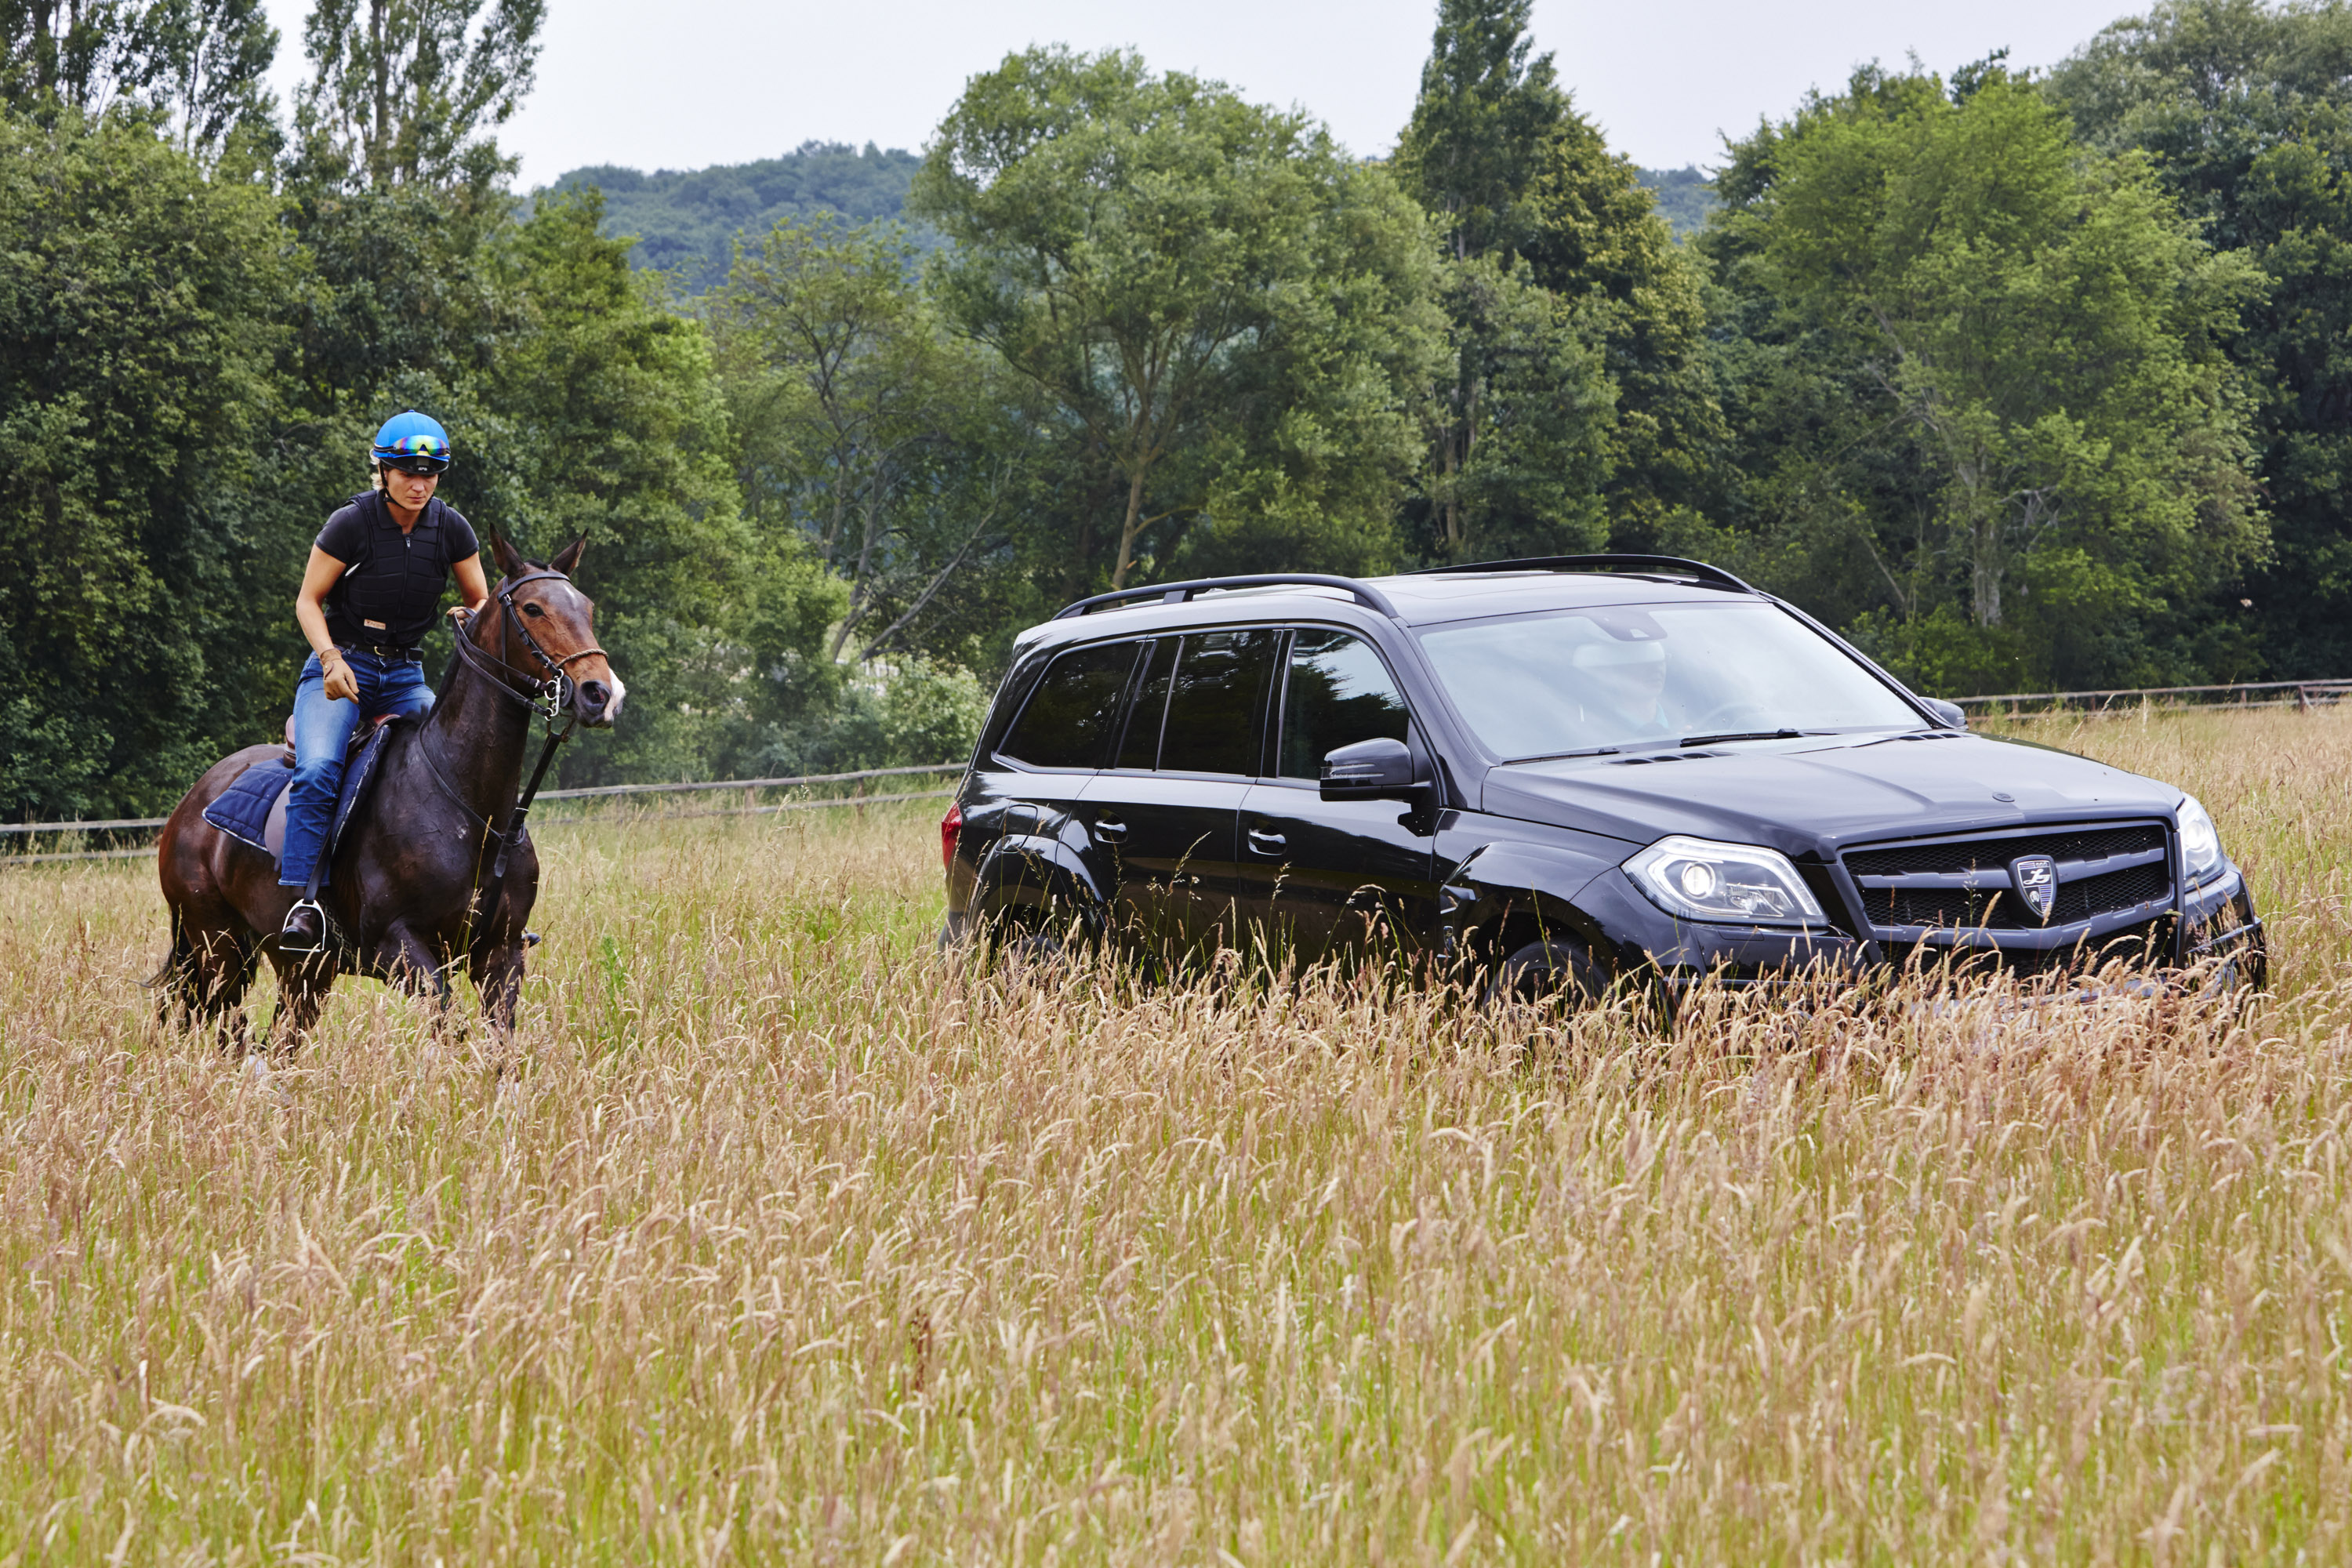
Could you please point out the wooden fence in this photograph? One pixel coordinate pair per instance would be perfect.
(24, 831)
(2301, 695)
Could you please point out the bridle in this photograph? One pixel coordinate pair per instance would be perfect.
(548, 696)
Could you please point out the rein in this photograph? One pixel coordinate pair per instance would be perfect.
(548, 696)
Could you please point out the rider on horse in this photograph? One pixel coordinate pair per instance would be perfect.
(372, 591)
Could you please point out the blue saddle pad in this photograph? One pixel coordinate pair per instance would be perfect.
(245, 809)
(359, 774)
(242, 810)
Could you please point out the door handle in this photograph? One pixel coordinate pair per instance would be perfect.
(1109, 831)
(1267, 842)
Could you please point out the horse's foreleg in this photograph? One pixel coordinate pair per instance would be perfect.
(303, 981)
(213, 977)
(498, 976)
(203, 981)
(414, 965)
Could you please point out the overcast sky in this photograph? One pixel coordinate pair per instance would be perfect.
(691, 82)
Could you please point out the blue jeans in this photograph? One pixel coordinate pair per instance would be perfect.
(323, 727)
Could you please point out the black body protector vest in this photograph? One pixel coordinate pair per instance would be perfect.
(391, 595)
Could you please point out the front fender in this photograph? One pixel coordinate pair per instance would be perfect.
(1502, 885)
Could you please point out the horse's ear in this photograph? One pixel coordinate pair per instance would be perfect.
(567, 560)
(510, 560)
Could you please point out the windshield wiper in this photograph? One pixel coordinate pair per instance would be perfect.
(1743, 735)
(1562, 756)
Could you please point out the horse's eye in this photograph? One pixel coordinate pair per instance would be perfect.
(533, 611)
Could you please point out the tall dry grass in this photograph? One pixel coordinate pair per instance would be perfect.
(791, 1242)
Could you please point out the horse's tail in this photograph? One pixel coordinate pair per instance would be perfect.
(175, 961)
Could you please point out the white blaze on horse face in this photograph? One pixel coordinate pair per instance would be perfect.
(613, 708)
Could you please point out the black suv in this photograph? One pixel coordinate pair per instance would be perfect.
(1563, 771)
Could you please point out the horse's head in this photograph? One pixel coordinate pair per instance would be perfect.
(538, 625)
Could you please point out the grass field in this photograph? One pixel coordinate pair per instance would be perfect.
(790, 1241)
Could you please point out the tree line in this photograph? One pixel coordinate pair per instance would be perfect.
(2021, 380)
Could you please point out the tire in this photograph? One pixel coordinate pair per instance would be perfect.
(1033, 934)
(1558, 972)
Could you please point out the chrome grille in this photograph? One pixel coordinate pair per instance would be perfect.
(1994, 854)
(1963, 883)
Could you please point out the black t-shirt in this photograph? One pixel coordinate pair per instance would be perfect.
(389, 593)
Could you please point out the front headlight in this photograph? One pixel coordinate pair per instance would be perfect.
(2201, 846)
(1736, 884)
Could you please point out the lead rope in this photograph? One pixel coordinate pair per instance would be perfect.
(555, 687)
(522, 807)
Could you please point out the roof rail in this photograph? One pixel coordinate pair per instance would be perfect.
(1650, 565)
(1179, 593)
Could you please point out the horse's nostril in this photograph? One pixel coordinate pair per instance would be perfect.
(596, 691)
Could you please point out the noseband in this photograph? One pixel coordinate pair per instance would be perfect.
(548, 696)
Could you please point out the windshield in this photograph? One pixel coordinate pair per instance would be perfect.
(1644, 674)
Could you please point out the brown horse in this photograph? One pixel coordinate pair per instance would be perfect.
(424, 875)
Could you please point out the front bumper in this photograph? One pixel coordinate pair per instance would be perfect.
(1644, 939)
(2219, 927)
(2216, 925)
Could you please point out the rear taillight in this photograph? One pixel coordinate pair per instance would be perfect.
(950, 829)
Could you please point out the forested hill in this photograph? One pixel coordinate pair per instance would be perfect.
(687, 219)
(1685, 197)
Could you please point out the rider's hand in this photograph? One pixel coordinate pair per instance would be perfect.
(340, 684)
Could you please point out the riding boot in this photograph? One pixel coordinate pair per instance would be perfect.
(305, 930)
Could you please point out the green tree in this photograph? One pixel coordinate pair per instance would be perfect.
(140, 312)
(2007, 382)
(1477, 137)
(199, 65)
(1538, 214)
(405, 92)
(1230, 311)
(2245, 111)
(1596, 240)
(863, 424)
(1520, 434)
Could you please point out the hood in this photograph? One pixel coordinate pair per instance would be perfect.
(1818, 795)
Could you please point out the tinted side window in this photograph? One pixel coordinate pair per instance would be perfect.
(1141, 747)
(1067, 723)
(1340, 693)
(1214, 702)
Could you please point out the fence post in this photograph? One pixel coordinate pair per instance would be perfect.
(2303, 699)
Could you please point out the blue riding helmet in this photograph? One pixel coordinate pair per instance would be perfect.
(413, 443)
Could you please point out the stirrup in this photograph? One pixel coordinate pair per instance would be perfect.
(292, 939)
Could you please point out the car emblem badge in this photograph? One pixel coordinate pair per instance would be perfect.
(2036, 880)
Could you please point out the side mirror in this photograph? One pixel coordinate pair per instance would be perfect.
(1369, 770)
(1953, 715)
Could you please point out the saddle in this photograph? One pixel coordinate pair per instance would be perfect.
(252, 810)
